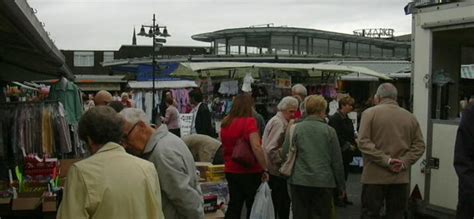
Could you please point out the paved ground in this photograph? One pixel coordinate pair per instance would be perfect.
(354, 189)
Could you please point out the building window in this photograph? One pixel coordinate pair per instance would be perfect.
(237, 45)
(108, 56)
(350, 49)
(320, 46)
(375, 51)
(387, 52)
(302, 45)
(282, 45)
(335, 47)
(401, 52)
(363, 50)
(83, 59)
(220, 47)
(257, 44)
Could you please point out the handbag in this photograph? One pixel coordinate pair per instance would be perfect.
(287, 167)
(242, 153)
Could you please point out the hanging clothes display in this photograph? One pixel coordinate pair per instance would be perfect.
(35, 128)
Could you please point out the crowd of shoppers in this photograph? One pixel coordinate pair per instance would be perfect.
(162, 180)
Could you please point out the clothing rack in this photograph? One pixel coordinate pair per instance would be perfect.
(36, 127)
(9, 104)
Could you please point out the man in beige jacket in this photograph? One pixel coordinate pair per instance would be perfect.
(391, 141)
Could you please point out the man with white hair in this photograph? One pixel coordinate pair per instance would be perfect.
(390, 140)
(273, 138)
(299, 92)
(181, 194)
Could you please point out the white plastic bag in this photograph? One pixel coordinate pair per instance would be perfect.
(262, 207)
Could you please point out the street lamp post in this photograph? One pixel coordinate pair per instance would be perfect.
(153, 33)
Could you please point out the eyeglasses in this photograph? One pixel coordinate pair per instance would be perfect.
(125, 137)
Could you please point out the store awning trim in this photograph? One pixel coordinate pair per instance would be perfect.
(161, 84)
(100, 79)
(338, 69)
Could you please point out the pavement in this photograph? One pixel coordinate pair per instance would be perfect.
(354, 191)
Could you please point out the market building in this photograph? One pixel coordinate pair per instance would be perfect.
(307, 44)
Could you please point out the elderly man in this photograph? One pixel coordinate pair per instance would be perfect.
(103, 98)
(391, 141)
(181, 195)
(204, 148)
(96, 186)
(299, 92)
(273, 138)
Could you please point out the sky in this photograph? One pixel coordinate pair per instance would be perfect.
(108, 24)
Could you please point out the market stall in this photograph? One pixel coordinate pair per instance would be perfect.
(34, 131)
(142, 94)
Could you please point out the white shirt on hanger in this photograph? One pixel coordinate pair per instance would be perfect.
(333, 106)
(248, 80)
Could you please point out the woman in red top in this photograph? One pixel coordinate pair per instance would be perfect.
(242, 181)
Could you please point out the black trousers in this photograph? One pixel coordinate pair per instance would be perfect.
(347, 159)
(280, 197)
(395, 197)
(311, 202)
(465, 208)
(242, 188)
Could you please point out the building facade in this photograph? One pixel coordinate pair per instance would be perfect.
(292, 41)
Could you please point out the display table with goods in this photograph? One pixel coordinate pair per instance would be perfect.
(214, 189)
(34, 188)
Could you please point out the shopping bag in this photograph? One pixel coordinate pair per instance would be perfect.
(262, 207)
(287, 167)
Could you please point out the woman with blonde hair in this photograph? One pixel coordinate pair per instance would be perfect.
(242, 180)
(318, 166)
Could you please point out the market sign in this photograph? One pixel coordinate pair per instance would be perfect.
(283, 82)
(186, 121)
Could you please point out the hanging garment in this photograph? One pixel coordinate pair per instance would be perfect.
(62, 128)
(47, 131)
(333, 107)
(68, 95)
(248, 80)
(229, 87)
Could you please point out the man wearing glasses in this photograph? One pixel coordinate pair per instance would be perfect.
(181, 195)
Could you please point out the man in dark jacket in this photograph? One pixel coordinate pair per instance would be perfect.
(201, 115)
(464, 163)
(345, 134)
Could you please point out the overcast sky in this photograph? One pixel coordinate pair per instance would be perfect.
(108, 24)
